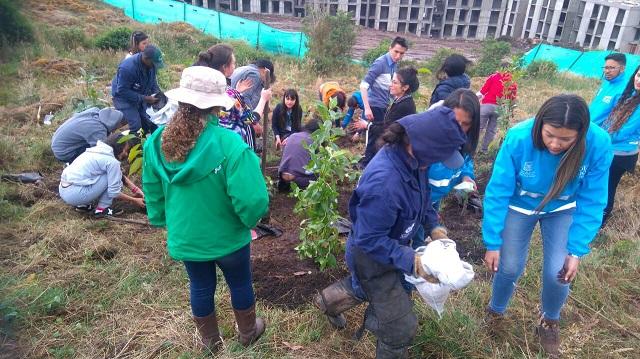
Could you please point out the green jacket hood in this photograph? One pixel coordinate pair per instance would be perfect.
(205, 157)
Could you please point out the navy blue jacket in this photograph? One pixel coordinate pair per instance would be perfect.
(134, 81)
(392, 198)
(445, 87)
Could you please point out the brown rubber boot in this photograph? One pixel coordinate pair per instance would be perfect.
(250, 328)
(495, 323)
(334, 300)
(549, 332)
(209, 332)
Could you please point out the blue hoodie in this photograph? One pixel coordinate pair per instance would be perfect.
(626, 140)
(347, 118)
(443, 179)
(133, 82)
(392, 200)
(445, 87)
(607, 96)
(522, 174)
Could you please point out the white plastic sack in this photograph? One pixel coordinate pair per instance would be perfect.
(434, 294)
(465, 186)
(163, 115)
(441, 260)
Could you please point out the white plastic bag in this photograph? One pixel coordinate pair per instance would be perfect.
(163, 115)
(441, 260)
(434, 294)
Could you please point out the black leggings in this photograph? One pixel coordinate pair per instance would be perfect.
(619, 166)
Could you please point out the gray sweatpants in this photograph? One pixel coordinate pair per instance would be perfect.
(488, 121)
(84, 195)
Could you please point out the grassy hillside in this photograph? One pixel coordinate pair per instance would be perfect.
(73, 287)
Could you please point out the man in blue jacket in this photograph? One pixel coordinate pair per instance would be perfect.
(134, 87)
(611, 88)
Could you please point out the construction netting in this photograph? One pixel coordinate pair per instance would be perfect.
(584, 63)
(218, 24)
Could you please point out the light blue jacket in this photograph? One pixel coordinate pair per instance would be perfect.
(443, 179)
(606, 97)
(347, 118)
(626, 140)
(522, 174)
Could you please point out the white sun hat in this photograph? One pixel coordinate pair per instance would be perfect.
(202, 87)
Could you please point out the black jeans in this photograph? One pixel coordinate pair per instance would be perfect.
(619, 166)
(389, 315)
(375, 131)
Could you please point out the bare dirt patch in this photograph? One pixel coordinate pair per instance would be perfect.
(422, 48)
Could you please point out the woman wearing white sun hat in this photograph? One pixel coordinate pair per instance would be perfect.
(195, 177)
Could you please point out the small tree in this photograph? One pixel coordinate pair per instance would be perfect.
(331, 38)
(492, 54)
(319, 202)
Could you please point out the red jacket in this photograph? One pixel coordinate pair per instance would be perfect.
(493, 88)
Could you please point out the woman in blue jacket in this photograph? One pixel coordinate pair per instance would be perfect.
(623, 126)
(452, 76)
(551, 170)
(387, 207)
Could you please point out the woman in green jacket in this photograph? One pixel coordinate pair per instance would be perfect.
(204, 184)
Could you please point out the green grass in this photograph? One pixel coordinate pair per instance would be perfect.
(74, 287)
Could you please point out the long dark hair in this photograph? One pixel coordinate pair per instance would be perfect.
(453, 65)
(466, 100)
(628, 103)
(136, 38)
(394, 135)
(180, 135)
(409, 76)
(563, 111)
(215, 57)
(296, 111)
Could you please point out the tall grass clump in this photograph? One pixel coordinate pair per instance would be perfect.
(114, 39)
(542, 69)
(14, 27)
(492, 54)
(372, 54)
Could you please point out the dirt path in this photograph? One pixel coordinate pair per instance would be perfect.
(421, 48)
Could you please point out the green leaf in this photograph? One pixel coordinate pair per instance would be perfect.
(135, 166)
(134, 152)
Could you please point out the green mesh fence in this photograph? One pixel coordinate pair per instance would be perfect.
(218, 24)
(587, 64)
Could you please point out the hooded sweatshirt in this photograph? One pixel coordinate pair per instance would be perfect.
(523, 174)
(84, 129)
(209, 202)
(445, 87)
(391, 199)
(94, 163)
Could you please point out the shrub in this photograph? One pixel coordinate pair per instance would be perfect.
(319, 202)
(71, 38)
(542, 69)
(14, 27)
(330, 40)
(372, 54)
(115, 39)
(492, 54)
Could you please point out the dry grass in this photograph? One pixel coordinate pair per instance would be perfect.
(75, 287)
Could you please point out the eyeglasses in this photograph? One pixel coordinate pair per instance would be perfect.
(610, 67)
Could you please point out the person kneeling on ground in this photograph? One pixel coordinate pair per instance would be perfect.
(204, 184)
(295, 158)
(96, 176)
(329, 90)
(83, 130)
(390, 203)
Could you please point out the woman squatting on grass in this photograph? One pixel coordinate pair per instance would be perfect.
(204, 184)
(551, 170)
(623, 126)
(387, 207)
(94, 179)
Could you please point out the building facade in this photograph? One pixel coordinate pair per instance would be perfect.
(594, 24)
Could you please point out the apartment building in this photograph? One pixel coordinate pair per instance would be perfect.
(596, 24)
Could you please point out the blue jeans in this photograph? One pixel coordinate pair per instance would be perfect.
(84, 195)
(236, 268)
(516, 236)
